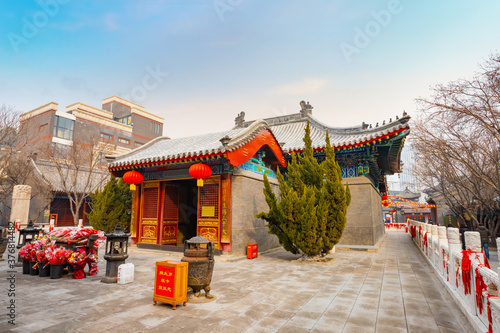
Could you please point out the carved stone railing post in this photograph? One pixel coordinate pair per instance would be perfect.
(442, 242)
(454, 245)
(420, 233)
(428, 231)
(473, 243)
(435, 246)
(495, 313)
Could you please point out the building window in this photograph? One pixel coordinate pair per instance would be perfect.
(63, 128)
(127, 120)
(155, 127)
(106, 136)
(125, 141)
(138, 144)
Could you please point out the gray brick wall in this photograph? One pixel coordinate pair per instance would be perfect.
(247, 200)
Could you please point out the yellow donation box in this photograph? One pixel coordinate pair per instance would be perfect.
(171, 282)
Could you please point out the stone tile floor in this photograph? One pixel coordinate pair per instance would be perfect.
(392, 290)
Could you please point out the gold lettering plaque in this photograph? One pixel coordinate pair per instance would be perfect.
(208, 211)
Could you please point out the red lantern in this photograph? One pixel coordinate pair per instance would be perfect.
(385, 196)
(393, 210)
(133, 178)
(200, 171)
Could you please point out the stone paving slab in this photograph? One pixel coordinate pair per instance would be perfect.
(392, 290)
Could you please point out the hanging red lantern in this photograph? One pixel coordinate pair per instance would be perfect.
(385, 196)
(200, 171)
(393, 210)
(133, 178)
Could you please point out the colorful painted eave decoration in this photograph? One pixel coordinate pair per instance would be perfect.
(265, 137)
(404, 203)
(235, 157)
(364, 143)
(191, 159)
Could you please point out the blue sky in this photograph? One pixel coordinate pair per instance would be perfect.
(199, 63)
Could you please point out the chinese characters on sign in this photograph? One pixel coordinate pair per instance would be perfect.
(165, 281)
(226, 211)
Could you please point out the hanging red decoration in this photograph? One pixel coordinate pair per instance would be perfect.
(466, 274)
(385, 196)
(200, 171)
(393, 210)
(133, 178)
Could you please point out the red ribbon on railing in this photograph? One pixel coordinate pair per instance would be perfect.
(480, 286)
(466, 276)
(490, 328)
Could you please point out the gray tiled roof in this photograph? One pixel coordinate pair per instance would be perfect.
(164, 149)
(85, 180)
(290, 135)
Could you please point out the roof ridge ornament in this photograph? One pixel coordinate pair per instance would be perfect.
(240, 119)
(305, 109)
(225, 140)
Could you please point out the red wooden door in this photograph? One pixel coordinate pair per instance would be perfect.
(170, 214)
(149, 213)
(209, 210)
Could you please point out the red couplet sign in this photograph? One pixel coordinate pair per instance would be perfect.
(165, 281)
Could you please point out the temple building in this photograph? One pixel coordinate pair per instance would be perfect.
(168, 207)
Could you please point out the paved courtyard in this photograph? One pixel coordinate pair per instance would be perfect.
(356, 291)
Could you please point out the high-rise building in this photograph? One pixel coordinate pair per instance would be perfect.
(407, 178)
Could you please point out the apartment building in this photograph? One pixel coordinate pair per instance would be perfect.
(119, 126)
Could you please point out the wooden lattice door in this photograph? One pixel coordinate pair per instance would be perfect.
(170, 214)
(149, 219)
(209, 210)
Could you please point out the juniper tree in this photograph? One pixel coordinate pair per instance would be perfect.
(112, 204)
(310, 216)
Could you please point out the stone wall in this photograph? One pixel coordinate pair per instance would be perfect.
(364, 227)
(248, 200)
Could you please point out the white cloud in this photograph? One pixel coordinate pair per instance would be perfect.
(307, 86)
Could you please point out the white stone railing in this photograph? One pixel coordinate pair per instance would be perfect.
(396, 226)
(474, 290)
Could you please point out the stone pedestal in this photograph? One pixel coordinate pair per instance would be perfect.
(365, 227)
(21, 196)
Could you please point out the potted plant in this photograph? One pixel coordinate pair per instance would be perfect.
(57, 257)
(78, 260)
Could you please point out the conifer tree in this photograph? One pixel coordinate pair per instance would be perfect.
(310, 216)
(112, 204)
